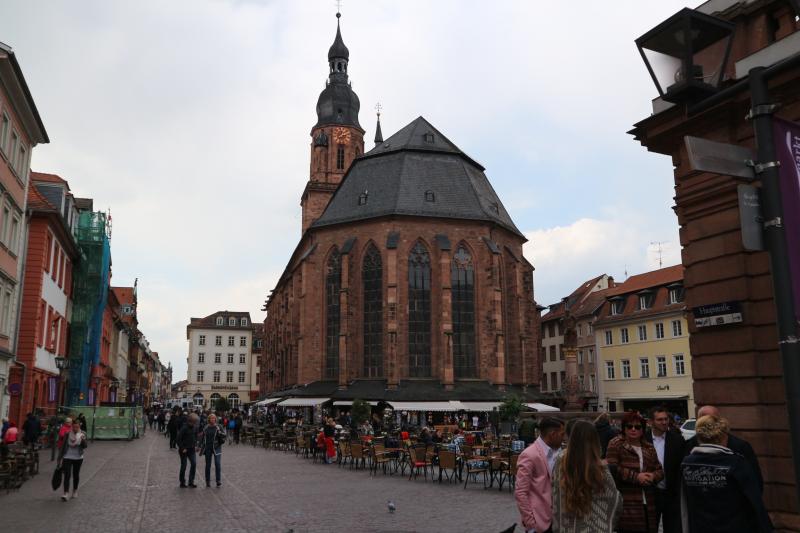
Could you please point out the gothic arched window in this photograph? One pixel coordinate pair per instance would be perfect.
(462, 282)
(333, 285)
(372, 279)
(340, 157)
(419, 312)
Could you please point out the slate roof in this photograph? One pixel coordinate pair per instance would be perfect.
(211, 320)
(396, 175)
(657, 281)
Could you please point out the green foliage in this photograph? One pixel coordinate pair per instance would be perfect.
(222, 405)
(360, 411)
(511, 408)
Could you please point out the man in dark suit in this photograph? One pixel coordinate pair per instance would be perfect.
(670, 448)
(735, 444)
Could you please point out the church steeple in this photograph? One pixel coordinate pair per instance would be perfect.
(378, 133)
(338, 54)
(337, 103)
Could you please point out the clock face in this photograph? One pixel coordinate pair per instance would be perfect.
(341, 135)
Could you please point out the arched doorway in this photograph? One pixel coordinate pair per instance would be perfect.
(233, 400)
(214, 398)
(198, 399)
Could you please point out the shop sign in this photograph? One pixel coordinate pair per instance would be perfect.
(717, 314)
(662, 388)
(224, 387)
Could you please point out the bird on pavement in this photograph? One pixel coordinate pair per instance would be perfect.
(390, 504)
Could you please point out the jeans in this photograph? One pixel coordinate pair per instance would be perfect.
(73, 467)
(192, 458)
(217, 466)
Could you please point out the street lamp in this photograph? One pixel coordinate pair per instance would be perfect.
(686, 55)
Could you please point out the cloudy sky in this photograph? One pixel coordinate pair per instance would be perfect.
(190, 120)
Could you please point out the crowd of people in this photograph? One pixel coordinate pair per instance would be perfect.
(584, 477)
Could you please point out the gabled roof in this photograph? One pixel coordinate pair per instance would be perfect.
(649, 280)
(50, 178)
(37, 202)
(125, 295)
(574, 301)
(210, 321)
(407, 175)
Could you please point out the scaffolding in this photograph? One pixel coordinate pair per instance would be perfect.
(89, 296)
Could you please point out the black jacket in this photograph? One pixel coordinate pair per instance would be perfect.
(606, 433)
(721, 493)
(187, 438)
(674, 452)
(743, 448)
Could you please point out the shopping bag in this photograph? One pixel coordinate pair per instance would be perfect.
(57, 475)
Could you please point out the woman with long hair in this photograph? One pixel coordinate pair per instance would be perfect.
(585, 497)
(634, 463)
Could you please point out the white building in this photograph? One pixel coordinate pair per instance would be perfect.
(219, 359)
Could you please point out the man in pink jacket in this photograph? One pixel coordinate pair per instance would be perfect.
(534, 472)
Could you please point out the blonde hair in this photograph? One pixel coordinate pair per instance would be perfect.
(212, 415)
(711, 429)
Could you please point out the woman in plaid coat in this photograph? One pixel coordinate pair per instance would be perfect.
(636, 469)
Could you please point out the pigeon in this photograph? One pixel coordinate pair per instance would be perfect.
(391, 506)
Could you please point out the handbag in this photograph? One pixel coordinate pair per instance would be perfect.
(58, 474)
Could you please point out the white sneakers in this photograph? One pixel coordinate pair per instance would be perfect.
(65, 496)
(75, 493)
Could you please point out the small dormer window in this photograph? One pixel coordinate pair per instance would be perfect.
(429, 138)
(617, 306)
(676, 294)
(243, 322)
(430, 196)
(231, 321)
(645, 301)
(220, 321)
(494, 207)
(362, 198)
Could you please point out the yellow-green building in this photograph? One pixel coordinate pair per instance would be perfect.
(642, 344)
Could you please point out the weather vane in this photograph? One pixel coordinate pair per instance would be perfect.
(378, 108)
(338, 7)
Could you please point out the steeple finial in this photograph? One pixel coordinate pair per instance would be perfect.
(378, 134)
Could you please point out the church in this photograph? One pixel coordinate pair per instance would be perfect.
(409, 282)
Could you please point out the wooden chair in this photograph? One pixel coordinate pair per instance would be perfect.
(475, 466)
(357, 455)
(6, 474)
(417, 459)
(447, 461)
(344, 452)
(380, 458)
(511, 472)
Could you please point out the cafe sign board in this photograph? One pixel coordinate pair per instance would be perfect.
(718, 314)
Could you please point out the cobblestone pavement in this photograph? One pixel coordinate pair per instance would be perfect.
(133, 487)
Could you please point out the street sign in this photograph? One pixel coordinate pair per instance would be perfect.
(750, 219)
(719, 158)
(15, 389)
(717, 314)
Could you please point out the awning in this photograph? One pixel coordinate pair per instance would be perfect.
(542, 408)
(453, 405)
(268, 401)
(350, 402)
(303, 402)
(480, 406)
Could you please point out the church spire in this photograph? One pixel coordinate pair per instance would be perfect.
(338, 55)
(378, 133)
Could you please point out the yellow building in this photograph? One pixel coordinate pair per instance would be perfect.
(643, 345)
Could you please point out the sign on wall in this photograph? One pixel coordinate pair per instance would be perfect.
(787, 145)
(717, 314)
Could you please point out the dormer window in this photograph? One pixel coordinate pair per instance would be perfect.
(243, 322)
(645, 300)
(231, 321)
(362, 198)
(676, 294)
(429, 138)
(220, 321)
(494, 207)
(430, 196)
(617, 306)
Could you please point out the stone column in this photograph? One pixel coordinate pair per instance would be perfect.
(570, 384)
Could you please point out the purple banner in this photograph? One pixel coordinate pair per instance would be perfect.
(91, 397)
(52, 389)
(787, 144)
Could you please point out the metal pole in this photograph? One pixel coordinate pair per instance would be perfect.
(775, 239)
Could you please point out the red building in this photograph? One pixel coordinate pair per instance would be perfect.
(46, 295)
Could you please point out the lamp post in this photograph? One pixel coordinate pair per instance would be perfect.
(94, 408)
(695, 47)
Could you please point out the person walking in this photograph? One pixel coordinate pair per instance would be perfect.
(82, 422)
(722, 492)
(211, 445)
(31, 429)
(329, 431)
(187, 441)
(585, 497)
(669, 445)
(70, 458)
(634, 464)
(533, 491)
(172, 428)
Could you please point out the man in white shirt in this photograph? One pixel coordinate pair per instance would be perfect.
(669, 445)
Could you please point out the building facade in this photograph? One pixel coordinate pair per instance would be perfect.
(256, 361)
(21, 129)
(643, 342)
(219, 358)
(47, 293)
(409, 274)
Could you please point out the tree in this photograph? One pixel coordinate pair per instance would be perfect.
(360, 411)
(511, 408)
(222, 405)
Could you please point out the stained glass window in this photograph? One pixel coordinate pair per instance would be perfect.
(419, 312)
(372, 278)
(333, 285)
(462, 281)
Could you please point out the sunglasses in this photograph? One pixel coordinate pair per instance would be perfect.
(637, 427)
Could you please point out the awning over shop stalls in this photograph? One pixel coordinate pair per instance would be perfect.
(480, 406)
(350, 402)
(451, 405)
(268, 401)
(542, 408)
(303, 402)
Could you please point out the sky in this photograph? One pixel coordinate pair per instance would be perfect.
(190, 119)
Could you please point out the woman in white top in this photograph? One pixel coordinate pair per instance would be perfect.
(70, 458)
